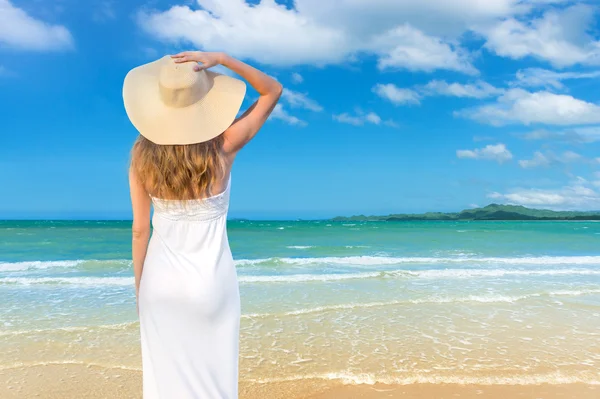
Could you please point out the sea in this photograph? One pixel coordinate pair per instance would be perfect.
(487, 302)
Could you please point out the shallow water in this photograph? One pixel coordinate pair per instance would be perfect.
(481, 302)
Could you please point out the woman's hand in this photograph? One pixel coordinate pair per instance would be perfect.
(208, 59)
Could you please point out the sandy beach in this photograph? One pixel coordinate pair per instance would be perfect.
(78, 381)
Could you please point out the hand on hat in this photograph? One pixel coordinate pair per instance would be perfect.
(208, 59)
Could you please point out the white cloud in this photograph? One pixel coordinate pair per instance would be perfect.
(401, 96)
(391, 123)
(300, 100)
(396, 94)
(437, 17)
(266, 32)
(549, 158)
(479, 89)
(295, 100)
(297, 78)
(373, 118)
(536, 77)
(586, 134)
(403, 34)
(558, 36)
(577, 195)
(361, 118)
(422, 35)
(582, 134)
(352, 120)
(538, 159)
(20, 31)
(408, 48)
(280, 113)
(357, 120)
(521, 106)
(570, 156)
(493, 152)
(542, 134)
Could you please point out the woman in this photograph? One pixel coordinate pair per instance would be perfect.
(186, 283)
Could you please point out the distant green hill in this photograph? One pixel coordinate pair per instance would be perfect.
(490, 212)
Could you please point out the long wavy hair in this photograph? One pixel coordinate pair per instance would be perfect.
(179, 172)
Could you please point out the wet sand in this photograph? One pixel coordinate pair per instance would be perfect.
(78, 381)
(451, 391)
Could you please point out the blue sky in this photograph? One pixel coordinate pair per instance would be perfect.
(390, 105)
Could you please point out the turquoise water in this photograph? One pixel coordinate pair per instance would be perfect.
(485, 302)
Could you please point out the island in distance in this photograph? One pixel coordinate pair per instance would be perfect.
(489, 212)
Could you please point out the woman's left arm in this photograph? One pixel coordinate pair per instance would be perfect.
(140, 229)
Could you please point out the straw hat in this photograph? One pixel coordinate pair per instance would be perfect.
(170, 103)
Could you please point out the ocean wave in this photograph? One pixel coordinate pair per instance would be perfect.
(387, 260)
(347, 377)
(78, 329)
(301, 278)
(431, 300)
(21, 365)
(330, 260)
(21, 266)
(309, 247)
(38, 264)
(68, 281)
(426, 377)
(466, 273)
(431, 274)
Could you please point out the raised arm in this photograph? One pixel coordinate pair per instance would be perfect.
(245, 127)
(249, 123)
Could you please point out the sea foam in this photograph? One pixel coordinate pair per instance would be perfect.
(68, 281)
(387, 260)
(426, 300)
(429, 274)
(38, 264)
(330, 260)
(302, 278)
(351, 378)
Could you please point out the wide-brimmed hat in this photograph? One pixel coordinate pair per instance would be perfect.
(171, 103)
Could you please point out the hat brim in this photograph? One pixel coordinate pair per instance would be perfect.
(196, 123)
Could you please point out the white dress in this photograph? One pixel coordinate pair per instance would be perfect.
(189, 302)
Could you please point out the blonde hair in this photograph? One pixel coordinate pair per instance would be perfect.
(178, 171)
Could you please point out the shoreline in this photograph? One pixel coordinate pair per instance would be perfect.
(95, 382)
